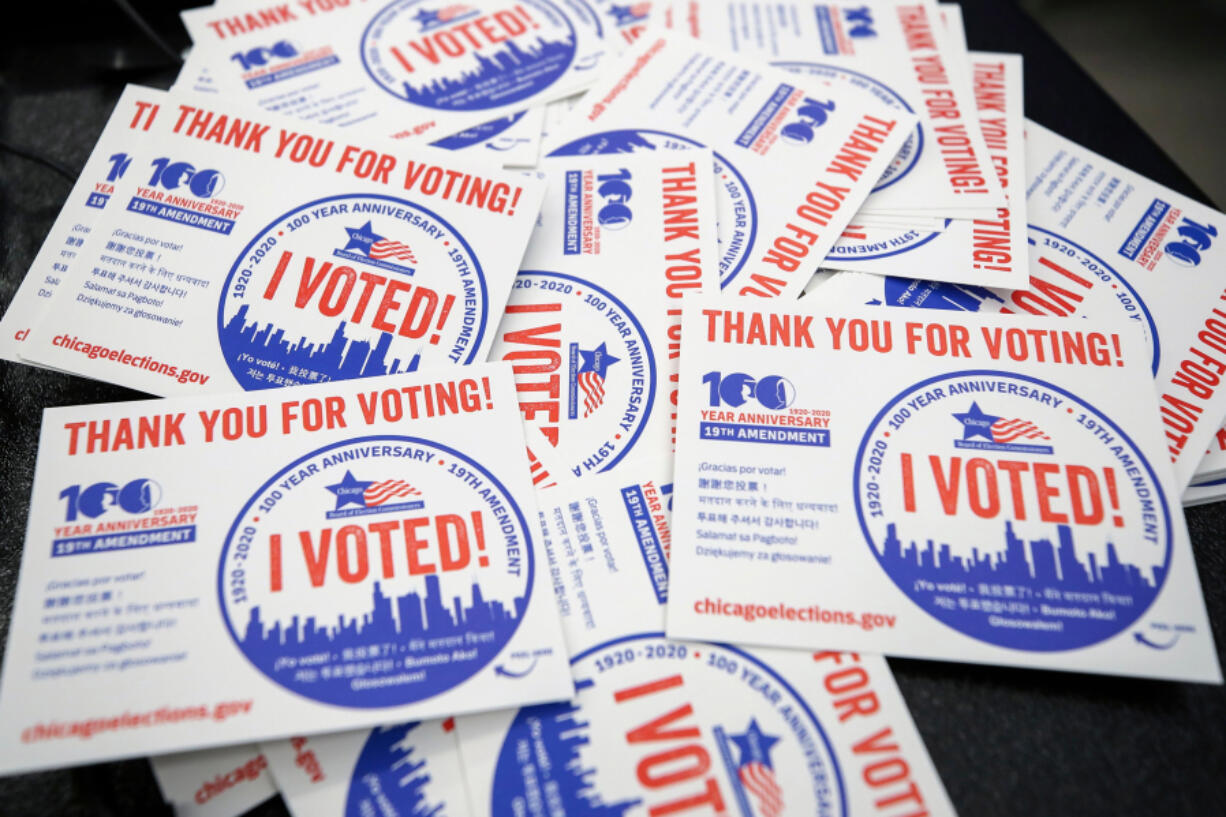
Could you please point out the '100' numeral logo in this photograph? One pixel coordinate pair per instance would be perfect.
(860, 22)
(1194, 238)
(258, 57)
(772, 391)
(812, 114)
(138, 496)
(616, 192)
(203, 184)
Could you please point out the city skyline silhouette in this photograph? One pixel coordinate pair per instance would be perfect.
(389, 757)
(388, 620)
(937, 295)
(338, 359)
(504, 62)
(563, 735)
(1055, 563)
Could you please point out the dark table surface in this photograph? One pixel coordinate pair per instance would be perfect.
(1006, 741)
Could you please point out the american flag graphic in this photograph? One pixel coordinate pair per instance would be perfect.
(1007, 431)
(378, 493)
(591, 374)
(385, 248)
(592, 386)
(759, 781)
(759, 792)
(447, 13)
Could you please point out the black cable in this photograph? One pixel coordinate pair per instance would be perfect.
(42, 160)
(140, 22)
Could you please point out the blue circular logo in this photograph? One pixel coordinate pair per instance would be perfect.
(735, 209)
(461, 57)
(377, 571)
(908, 155)
(1012, 510)
(725, 726)
(585, 370)
(349, 286)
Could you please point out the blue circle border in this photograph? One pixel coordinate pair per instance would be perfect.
(529, 547)
(480, 273)
(868, 538)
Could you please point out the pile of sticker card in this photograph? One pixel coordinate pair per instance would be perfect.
(540, 433)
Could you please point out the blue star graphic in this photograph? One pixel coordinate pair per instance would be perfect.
(629, 13)
(598, 360)
(426, 18)
(975, 423)
(362, 238)
(350, 491)
(621, 14)
(754, 744)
